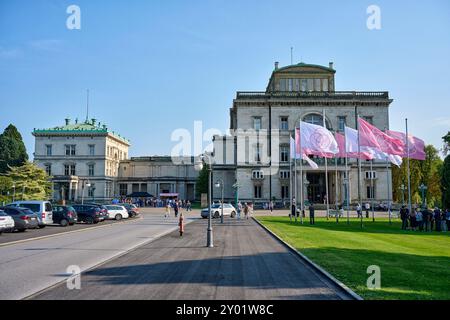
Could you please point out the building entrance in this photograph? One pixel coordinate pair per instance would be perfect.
(316, 187)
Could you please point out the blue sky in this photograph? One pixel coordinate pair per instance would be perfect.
(155, 66)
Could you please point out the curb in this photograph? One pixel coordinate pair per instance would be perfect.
(68, 232)
(311, 263)
(156, 237)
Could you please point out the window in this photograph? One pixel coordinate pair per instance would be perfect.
(123, 189)
(370, 192)
(283, 84)
(303, 84)
(341, 123)
(49, 149)
(296, 84)
(91, 190)
(310, 84)
(257, 174)
(69, 169)
(369, 119)
(284, 192)
(371, 175)
(284, 174)
(92, 149)
(70, 149)
(317, 85)
(316, 119)
(257, 192)
(284, 124)
(48, 169)
(284, 153)
(257, 123)
(258, 153)
(325, 84)
(91, 170)
(290, 84)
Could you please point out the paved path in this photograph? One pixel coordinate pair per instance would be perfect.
(246, 263)
(26, 268)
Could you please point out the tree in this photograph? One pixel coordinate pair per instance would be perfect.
(32, 182)
(445, 183)
(446, 139)
(12, 149)
(202, 181)
(430, 169)
(6, 189)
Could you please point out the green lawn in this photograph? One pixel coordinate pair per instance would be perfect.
(413, 265)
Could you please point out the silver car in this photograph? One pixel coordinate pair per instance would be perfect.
(43, 210)
(216, 211)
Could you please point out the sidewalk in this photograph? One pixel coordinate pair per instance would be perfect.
(246, 263)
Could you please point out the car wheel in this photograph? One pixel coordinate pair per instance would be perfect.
(21, 230)
(216, 214)
(89, 220)
(233, 214)
(1, 233)
(118, 217)
(64, 223)
(41, 226)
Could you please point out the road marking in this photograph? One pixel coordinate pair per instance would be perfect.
(68, 232)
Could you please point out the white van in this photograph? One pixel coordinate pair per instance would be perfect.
(117, 212)
(43, 209)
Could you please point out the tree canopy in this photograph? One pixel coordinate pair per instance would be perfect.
(12, 149)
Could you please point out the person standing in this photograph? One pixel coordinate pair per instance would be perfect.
(271, 206)
(437, 219)
(181, 224)
(447, 218)
(246, 209)
(359, 210)
(167, 215)
(239, 210)
(404, 217)
(293, 209)
(367, 209)
(419, 219)
(311, 214)
(176, 208)
(188, 206)
(412, 220)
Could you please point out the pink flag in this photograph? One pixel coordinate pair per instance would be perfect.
(349, 144)
(416, 146)
(371, 136)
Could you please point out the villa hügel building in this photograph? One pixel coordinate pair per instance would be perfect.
(256, 152)
(88, 160)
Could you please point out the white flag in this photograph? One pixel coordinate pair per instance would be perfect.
(305, 157)
(317, 139)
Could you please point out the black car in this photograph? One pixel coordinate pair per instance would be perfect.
(24, 218)
(133, 211)
(88, 213)
(103, 211)
(64, 215)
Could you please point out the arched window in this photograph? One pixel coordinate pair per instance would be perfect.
(317, 119)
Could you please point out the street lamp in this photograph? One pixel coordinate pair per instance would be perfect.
(423, 188)
(82, 190)
(346, 184)
(14, 192)
(199, 166)
(305, 186)
(219, 184)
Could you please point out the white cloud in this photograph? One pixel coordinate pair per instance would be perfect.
(10, 53)
(46, 44)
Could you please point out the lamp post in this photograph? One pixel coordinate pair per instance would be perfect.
(347, 202)
(219, 184)
(88, 184)
(423, 188)
(305, 186)
(14, 192)
(199, 167)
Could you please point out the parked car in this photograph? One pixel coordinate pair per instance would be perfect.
(216, 211)
(103, 210)
(132, 209)
(88, 213)
(23, 218)
(43, 209)
(6, 222)
(64, 215)
(117, 212)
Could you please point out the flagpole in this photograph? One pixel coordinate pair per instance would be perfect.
(295, 182)
(408, 172)
(347, 185)
(359, 164)
(326, 169)
(388, 190)
(290, 179)
(301, 174)
(372, 193)
(335, 188)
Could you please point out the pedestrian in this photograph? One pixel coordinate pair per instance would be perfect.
(239, 210)
(437, 219)
(246, 209)
(271, 206)
(412, 220)
(419, 219)
(367, 209)
(167, 214)
(176, 208)
(293, 209)
(404, 217)
(426, 217)
(181, 224)
(311, 214)
(188, 206)
(359, 210)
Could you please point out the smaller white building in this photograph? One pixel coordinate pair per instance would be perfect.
(82, 158)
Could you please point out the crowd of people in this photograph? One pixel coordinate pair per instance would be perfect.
(157, 202)
(425, 220)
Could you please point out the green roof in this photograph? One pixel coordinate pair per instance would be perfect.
(82, 127)
(302, 64)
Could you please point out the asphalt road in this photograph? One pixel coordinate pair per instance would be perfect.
(31, 266)
(246, 263)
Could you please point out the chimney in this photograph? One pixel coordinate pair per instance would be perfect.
(330, 64)
(276, 65)
(93, 121)
(67, 121)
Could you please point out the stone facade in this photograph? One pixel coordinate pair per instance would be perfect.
(262, 122)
